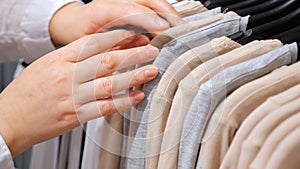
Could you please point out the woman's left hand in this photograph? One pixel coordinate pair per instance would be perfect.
(76, 20)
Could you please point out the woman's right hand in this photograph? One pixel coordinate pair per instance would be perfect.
(72, 85)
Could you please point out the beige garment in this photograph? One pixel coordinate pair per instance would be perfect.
(263, 129)
(230, 160)
(190, 8)
(287, 153)
(275, 138)
(162, 98)
(177, 31)
(189, 87)
(238, 106)
(111, 142)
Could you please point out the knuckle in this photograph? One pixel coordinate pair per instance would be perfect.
(106, 107)
(138, 79)
(109, 60)
(107, 85)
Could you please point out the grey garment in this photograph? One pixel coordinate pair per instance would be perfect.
(75, 148)
(203, 15)
(168, 54)
(64, 150)
(213, 91)
(44, 155)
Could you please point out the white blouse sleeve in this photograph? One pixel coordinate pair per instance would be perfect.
(24, 28)
(6, 161)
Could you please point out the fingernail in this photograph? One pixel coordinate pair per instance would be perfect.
(151, 72)
(138, 96)
(129, 34)
(162, 23)
(152, 52)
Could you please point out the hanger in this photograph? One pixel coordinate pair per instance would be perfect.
(274, 13)
(241, 5)
(259, 8)
(272, 28)
(210, 4)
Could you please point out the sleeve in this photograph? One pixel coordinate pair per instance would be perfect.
(6, 161)
(24, 28)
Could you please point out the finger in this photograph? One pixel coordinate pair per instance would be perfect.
(139, 40)
(108, 86)
(136, 15)
(108, 106)
(106, 63)
(94, 44)
(164, 9)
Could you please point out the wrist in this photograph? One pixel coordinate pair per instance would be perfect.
(6, 129)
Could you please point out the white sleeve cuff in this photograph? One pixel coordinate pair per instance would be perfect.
(6, 161)
(35, 28)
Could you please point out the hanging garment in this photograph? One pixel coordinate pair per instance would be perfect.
(262, 130)
(45, 154)
(111, 142)
(190, 8)
(168, 54)
(92, 144)
(188, 89)
(64, 150)
(162, 98)
(260, 8)
(230, 160)
(178, 4)
(236, 108)
(287, 153)
(160, 40)
(211, 94)
(274, 139)
(203, 15)
(75, 148)
(126, 124)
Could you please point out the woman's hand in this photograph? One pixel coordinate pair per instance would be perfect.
(76, 19)
(72, 85)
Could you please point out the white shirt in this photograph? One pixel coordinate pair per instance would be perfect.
(24, 33)
(24, 27)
